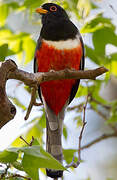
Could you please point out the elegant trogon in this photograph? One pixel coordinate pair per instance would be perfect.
(59, 46)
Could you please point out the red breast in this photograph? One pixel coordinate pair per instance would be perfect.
(57, 92)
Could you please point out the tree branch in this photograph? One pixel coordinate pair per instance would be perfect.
(73, 164)
(104, 136)
(9, 70)
(32, 79)
(7, 109)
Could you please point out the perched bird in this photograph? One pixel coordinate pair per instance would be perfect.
(59, 46)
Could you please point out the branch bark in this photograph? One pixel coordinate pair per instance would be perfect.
(9, 70)
(7, 109)
(33, 80)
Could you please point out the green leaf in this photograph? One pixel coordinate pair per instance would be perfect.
(27, 164)
(113, 113)
(3, 51)
(5, 9)
(13, 5)
(8, 157)
(82, 91)
(65, 134)
(40, 158)
(42, 120)
(3, 14)
(20, 44)
(96, 23)
(92, 55)
(96, 99)
(69, 154)
(112, 63)
(70, 6)
(37, 157)
(18, 103)
(15, 46)
(88, 178)
(35, 142)
(4, 35)
(35, 131)
(109, 37)
(18, 143)
(32, 3)
(113, 68)
(18, 166)
(14, 37)
(79, 120)
(84, 7)
(113, 57)
(29, 48)
(28, 89)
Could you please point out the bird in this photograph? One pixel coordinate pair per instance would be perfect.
(59, 46)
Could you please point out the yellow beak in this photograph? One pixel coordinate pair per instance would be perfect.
(41, 11)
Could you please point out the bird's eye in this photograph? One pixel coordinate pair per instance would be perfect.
(53, 8)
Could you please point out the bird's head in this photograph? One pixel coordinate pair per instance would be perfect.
(51, 12)
(56, 23)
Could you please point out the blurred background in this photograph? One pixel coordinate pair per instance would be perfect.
(97, 22)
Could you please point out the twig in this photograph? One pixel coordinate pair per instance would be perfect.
(33, 98)
(101, 114)
(98, 102)
(29, 144)
(113, 8)
(73, 164)
(77, 107)
(17, 175)
(104, 136)
(81, 133)
(38, 104)
(32, 102)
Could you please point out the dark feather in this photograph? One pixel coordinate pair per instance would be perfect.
(39, 42)
(82, 63)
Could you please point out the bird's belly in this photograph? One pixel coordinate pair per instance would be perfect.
(57, 92)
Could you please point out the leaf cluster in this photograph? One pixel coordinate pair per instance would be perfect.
(29, 160)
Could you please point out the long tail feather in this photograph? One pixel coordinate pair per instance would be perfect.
(54, 147)
(54, 124)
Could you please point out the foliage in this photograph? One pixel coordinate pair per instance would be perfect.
(33, 156)
(22, 45)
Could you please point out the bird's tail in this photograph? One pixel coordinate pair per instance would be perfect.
(54, 147)
(53, 138)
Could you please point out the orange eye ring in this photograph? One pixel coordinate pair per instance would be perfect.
(53, 8)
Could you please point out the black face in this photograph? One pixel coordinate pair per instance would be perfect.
(54, 12)
(56, 23)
